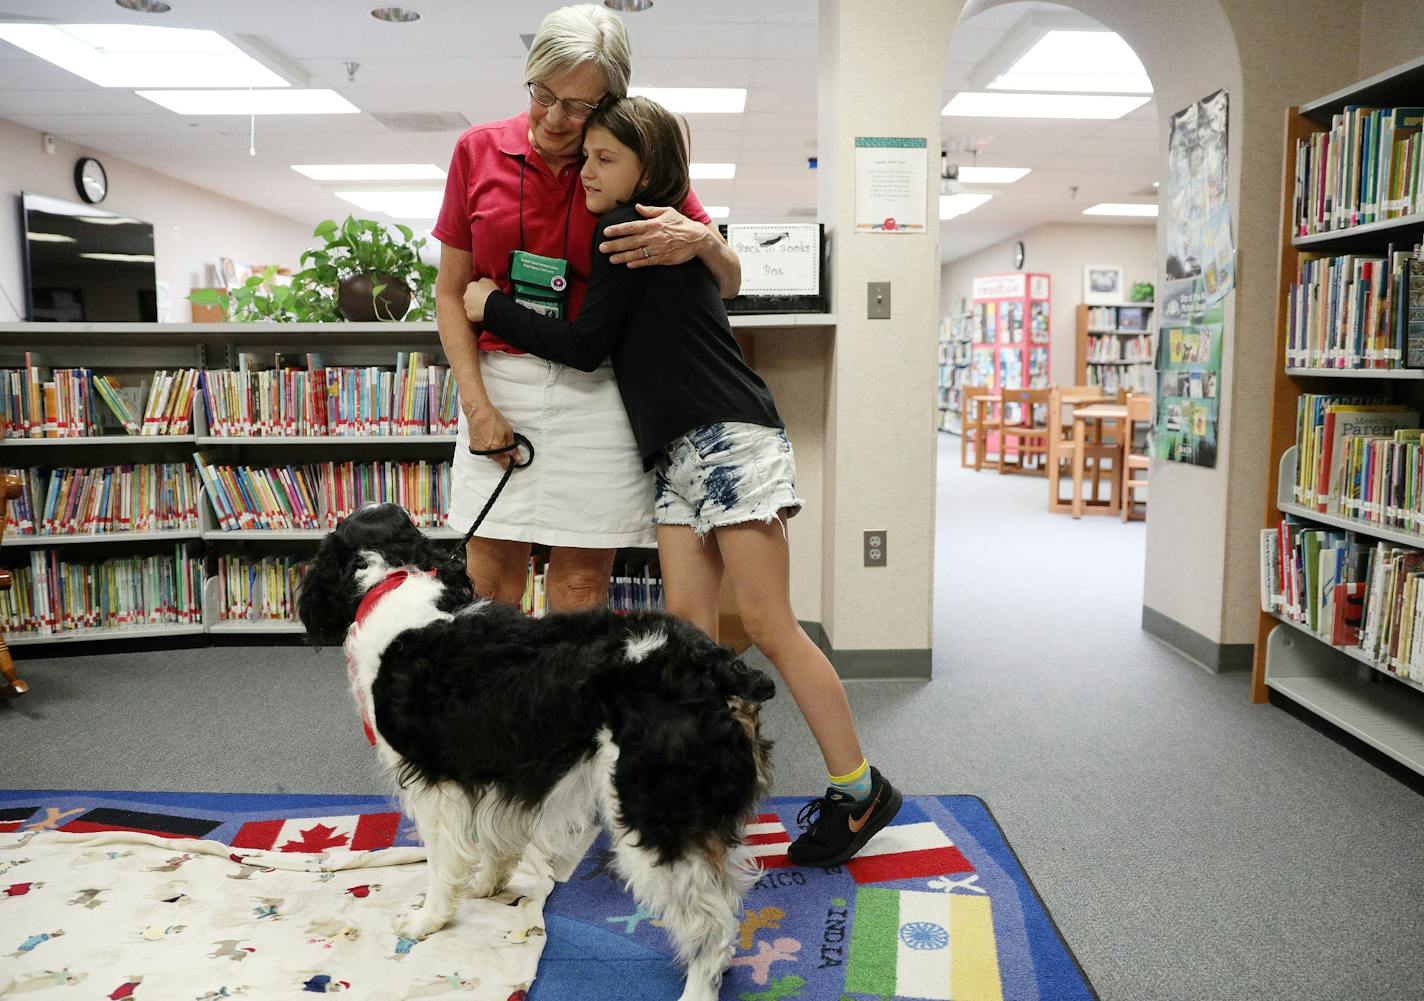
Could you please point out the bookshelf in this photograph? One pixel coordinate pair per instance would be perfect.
(1116, 346)
(955, 336)
(1342, 685)
(132, 350)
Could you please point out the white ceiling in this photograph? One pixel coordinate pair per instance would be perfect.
(468, 58)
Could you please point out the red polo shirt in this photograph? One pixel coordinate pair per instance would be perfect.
(481, 210)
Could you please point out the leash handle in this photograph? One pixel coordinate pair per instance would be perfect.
(519, 440)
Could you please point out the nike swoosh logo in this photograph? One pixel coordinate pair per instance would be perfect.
(856, 825)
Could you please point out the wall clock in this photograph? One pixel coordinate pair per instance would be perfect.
(1018, 255)
(90, 179)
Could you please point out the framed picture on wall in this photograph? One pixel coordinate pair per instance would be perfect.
(1102, 284)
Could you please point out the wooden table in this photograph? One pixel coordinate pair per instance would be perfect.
(1081, 415)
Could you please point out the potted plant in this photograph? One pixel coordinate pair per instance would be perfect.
(361, 273)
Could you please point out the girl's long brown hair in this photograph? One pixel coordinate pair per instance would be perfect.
(659, 138)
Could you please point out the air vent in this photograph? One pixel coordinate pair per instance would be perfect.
(424, 121)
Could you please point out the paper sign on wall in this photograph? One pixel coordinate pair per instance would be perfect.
(778, 258)
(890, 192)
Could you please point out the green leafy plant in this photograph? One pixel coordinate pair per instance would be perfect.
(354, 247)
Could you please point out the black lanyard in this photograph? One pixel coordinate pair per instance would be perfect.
(568, 212)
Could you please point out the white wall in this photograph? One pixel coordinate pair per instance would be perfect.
(1059, 251)
(191, 226)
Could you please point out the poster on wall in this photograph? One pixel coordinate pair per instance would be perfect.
(1199, 239)
(1188, 375)
(890, 184)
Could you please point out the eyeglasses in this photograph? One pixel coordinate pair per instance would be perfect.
(574, 109)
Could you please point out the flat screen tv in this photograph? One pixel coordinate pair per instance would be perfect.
(84, 264)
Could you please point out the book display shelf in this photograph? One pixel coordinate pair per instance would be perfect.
(241, 567)
(1117, 347)
(1351, 210)
(955, 336)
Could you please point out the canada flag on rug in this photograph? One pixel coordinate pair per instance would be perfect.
(360, 832)
(900, 851)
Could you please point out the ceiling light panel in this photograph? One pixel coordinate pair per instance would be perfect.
(972, 104)
(370, 171)
(696, 100)
(131, 55)
(401, 204)
(951, 206)
(1094, 62)
(251, 102)
(1122, 209)
(713, 171)
(991, 175)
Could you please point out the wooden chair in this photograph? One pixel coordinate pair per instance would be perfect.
(1139, 414)
(976, 418)
(1060, 438)
(1027, 435)
(1102, 461)
(12, 687)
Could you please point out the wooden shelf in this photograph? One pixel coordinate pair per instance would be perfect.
(1344, 687)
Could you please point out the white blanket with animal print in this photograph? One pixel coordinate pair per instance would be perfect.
(122, 915)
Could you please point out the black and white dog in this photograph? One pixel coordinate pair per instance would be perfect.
(527, 730)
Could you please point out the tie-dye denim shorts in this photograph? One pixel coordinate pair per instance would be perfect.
(726, 474)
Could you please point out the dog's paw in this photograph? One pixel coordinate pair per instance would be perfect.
(481, 887)
(419, 923)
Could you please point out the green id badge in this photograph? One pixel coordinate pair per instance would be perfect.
(539, 283)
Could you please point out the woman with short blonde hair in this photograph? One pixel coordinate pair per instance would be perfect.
(513, 185)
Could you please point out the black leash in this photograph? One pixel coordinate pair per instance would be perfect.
(519, 440)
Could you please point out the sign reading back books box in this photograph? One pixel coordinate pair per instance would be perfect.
(783, 267)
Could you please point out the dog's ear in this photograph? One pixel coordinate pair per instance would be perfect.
(328, 597)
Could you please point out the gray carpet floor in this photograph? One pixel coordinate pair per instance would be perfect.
(1189, 844)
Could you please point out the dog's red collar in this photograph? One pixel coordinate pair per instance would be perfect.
(392, 580)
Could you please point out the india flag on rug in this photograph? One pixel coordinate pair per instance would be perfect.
(911, 944)
(361, 832)
(900, 851)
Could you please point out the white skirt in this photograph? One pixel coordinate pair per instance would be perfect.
(586, 488)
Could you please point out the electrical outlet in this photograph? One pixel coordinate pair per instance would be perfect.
(878, 300)
(875, 548)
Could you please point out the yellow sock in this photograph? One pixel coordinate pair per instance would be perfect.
(856, 785)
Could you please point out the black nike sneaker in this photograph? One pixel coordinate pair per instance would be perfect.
(836, 826)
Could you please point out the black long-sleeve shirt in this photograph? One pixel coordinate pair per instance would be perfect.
(677, 363)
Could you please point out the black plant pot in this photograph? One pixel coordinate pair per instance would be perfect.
(354, 299)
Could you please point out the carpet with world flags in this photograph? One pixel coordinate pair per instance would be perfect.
(936, 906)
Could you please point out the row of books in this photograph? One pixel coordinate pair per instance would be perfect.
(1112, 348)
(1105, 318)
(1326, 424)
(1130, 376)
(1353, 593)
(127, 498)
(631, 589)
(54, 595)
(1365, 169)
(318, 496)
(259, 590)
(416, 398)
(66, 405)
(1357, 311)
